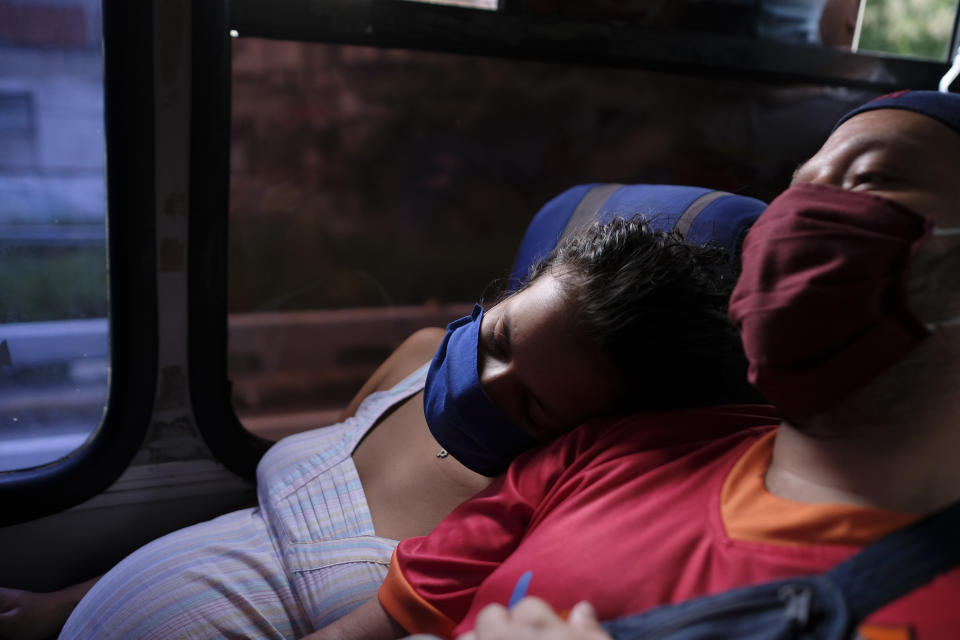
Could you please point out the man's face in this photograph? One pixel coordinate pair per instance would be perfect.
(915, 161)
(838, 22)
(897, 154)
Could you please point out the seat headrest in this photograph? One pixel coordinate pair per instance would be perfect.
(700, 215)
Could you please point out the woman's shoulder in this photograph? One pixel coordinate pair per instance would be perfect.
(413, 353)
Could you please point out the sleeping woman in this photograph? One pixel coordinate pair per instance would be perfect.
(617, 319)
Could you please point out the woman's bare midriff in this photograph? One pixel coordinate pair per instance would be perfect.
(409, 489)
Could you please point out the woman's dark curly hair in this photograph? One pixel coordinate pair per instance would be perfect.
(657, 307)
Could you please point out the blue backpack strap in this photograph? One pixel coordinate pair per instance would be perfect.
(801, 608)
(900, 562)
(699, 214)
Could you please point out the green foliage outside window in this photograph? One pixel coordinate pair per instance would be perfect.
(908, 27)
(56, 283)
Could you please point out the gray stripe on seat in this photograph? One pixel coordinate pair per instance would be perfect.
(583, 216)
(686, 220)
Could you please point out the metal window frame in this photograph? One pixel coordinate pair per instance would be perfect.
(229, 441)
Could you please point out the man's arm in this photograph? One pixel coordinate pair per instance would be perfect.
(367, 622)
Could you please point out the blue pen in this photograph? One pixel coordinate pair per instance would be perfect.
(520, 590)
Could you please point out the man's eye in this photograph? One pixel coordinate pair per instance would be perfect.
(870, 177)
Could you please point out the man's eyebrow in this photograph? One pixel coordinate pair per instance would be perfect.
(892, 139)
(867, 142)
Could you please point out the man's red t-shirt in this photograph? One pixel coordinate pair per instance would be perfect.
(642, 511)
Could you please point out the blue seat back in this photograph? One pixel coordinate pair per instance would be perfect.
(700, 215)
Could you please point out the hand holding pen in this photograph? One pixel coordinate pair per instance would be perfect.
(530, 618)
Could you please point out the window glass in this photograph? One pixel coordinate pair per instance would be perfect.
(829, 23)
(53, 306)
(919, 28)
(377, 191)
(470, 4)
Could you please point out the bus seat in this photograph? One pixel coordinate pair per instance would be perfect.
(700, 215)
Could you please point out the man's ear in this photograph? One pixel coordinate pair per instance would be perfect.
(933, 282)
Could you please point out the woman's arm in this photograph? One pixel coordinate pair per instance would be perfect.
(412, 353)
(28, 615)
(367, 622)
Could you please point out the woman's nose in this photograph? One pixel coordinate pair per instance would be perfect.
(498, 381)
(493, 373)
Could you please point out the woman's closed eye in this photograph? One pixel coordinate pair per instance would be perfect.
(500, 341)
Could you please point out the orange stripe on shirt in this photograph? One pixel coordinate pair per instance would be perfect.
(881, 632)
(408, 608)
(752, 513)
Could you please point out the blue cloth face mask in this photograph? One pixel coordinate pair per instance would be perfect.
(459, 413)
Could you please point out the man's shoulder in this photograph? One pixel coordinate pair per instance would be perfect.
(644, 441)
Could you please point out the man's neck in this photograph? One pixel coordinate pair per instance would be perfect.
(893, 445)
(910, 470)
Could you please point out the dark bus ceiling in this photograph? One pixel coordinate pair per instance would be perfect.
(415, 25)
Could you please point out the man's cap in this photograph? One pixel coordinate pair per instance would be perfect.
(942, 107)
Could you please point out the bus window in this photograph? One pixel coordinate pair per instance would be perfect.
(470, 4)
(919, 28)
(53, 305)
(335, 256)
(376, 191)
